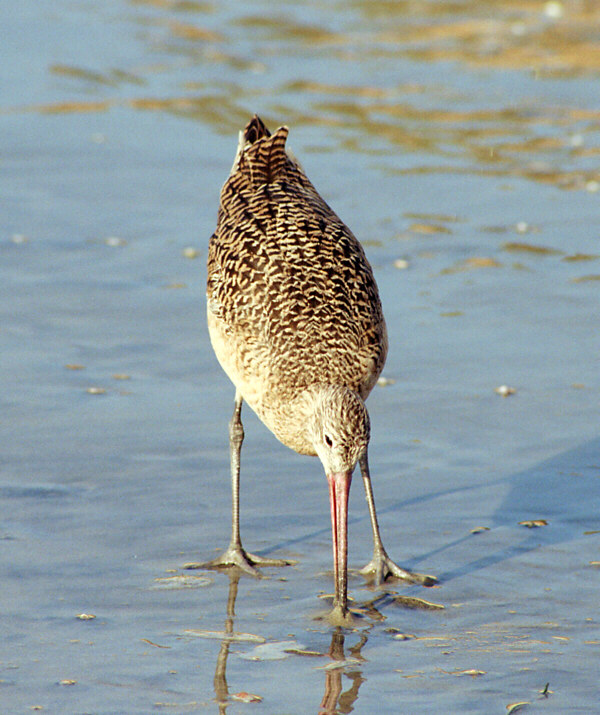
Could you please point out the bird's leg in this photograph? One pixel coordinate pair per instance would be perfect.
(381, 566)
(235, 554)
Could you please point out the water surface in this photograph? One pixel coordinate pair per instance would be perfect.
(460, 143)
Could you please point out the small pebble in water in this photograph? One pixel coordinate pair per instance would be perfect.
(401, 264)
(576, 140)
(592, 186)
(533, 523)
(404, 637)
(522, 227)
(19, 238)
(244, 697)
(554, 9)
(505, 390)
(385, 381)
(191, 252)
(95, 390)
(86, 616)
(115, 241)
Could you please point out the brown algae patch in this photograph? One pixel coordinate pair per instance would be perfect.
(418, 604)
(471, 264)
(587, 279)
(580, 257)
(428, 229)
(532, 249)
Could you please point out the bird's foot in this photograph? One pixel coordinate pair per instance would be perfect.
(382, 567)
(236, 556)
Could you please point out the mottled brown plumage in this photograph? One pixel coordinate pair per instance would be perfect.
(292, 298)
(296, 322)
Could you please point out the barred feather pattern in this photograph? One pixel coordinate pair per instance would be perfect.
(292, 301)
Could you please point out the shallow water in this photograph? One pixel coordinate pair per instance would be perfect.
(460, 142)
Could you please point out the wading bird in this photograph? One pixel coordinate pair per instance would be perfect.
(296, 322)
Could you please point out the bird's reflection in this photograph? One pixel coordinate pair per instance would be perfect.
(335, 700)
(220, 679)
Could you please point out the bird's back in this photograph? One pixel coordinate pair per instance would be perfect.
(292, 300)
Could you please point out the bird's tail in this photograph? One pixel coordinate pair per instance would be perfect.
(262, 156)
(255, 130)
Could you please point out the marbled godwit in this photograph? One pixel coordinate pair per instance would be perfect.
(295, 320)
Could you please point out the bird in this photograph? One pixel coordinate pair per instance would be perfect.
(296, 322)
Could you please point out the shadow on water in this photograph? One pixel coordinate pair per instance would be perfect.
(335, 699)
(563, 490)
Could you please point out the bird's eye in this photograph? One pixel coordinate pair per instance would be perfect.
(328, 441)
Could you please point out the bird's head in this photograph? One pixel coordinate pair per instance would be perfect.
(339, 428)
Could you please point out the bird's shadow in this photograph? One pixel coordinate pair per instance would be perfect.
(564, 490)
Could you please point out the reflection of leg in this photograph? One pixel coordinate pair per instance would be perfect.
(235, 554)
(333, 677)
(220, 679)
(381, 566)
(347, 699)
(234, 580)
(334, 701)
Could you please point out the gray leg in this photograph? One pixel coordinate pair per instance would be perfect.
(236, 437)
(235, 554)
(381, 566)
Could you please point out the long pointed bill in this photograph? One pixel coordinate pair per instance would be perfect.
(339, 489)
